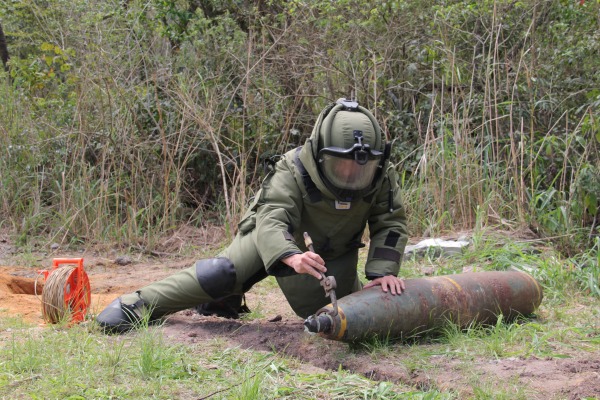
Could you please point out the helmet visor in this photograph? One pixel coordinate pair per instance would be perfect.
(351, 169)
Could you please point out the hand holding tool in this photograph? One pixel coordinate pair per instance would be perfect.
(327, 282)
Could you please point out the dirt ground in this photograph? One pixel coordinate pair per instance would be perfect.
(577, 377)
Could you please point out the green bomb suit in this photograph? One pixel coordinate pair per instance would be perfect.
(295, 199)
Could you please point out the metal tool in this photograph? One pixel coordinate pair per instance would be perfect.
(327, 282)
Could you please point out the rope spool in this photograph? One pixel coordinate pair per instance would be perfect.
(67, 293)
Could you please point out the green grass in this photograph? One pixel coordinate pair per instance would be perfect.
(109, 140)
(82, 362)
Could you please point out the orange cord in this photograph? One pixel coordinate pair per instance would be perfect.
(77, 290)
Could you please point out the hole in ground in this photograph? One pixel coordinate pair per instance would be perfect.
(20, 285)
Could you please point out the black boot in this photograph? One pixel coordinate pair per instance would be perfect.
(118, 317)
(228, 307)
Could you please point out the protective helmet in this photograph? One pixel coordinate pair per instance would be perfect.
(350, 152)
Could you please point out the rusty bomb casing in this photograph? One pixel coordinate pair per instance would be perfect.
(428, 303)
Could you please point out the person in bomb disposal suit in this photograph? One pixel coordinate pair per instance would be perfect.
(332, 187)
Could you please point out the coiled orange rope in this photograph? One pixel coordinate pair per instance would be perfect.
(66, 294)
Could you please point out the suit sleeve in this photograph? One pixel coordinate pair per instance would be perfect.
(277, 216)
(387, 227)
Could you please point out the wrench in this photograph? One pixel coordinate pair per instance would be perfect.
(327, 282)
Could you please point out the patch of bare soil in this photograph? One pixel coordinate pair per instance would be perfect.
(286, 337)
(573, 378)
(282, 332)
(110, 273)
(19, 298)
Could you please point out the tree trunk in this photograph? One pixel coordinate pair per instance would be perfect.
(3, 49)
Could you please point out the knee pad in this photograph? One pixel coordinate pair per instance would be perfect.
(216, 276)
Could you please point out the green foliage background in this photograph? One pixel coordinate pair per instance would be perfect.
(122, 120)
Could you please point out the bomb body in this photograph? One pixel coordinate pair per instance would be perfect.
(428, 303)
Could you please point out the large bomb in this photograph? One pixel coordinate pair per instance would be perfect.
(429, 303)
